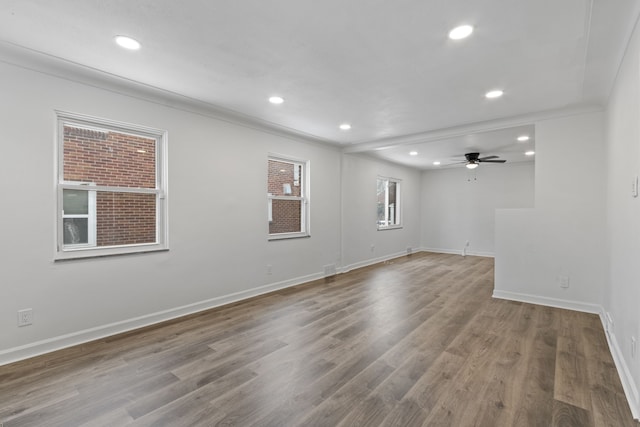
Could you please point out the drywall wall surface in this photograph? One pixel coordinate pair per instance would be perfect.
(622, 294)
(458, 205)
(563, 238)
(362, 242)
(217, 196)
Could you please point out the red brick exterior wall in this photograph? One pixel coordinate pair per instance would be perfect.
(285, 213)
(119, 160)
(125, 218)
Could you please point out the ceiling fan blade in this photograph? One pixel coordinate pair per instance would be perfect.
(488, 158)
(491, 161)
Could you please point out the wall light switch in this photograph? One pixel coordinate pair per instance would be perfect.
(634, 186)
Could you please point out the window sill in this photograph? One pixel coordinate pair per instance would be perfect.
(391, 227)
(106, 251)
(285, 236)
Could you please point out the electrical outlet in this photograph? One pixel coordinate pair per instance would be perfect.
(269, 269)
(563, 281)
(25, 317)
(373, 248)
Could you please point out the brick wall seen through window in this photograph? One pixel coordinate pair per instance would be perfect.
(106, 158)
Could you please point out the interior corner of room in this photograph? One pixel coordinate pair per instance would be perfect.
(560, 225)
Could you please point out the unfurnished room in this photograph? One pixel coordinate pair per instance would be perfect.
(303, 213)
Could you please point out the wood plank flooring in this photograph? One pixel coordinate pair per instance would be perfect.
(417, 341)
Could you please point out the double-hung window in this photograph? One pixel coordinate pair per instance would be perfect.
(287, 198)
(111, 188)
(388, 198)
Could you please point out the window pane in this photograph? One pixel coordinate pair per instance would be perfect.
(391, 214)
(284, 179)
(109, 158)
(285, 216)
(75, 202)
(125, 218)
(76, 231)
(380, 196)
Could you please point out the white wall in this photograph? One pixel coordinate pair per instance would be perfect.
(459, 205)
(564, 234)
(360, 233)
(217, 217)
(217, 220)
(622, 295)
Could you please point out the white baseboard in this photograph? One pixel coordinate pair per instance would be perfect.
(57, 343)
(372, 261)
(628, 383)
(458, 252)
(551, 302)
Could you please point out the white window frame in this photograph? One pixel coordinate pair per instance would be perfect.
(398, 207)
(304, 198)
(90, 216)
(65, 252)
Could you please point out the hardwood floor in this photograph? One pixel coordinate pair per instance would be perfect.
(417, 341)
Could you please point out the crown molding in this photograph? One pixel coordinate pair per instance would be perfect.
(470, 128)
(23, 57)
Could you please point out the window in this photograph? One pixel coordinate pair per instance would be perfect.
(78, 218)
(111, 180)
(287, 198)
(388, 197)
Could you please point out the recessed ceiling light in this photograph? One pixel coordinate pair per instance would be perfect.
(436, 163)
(523, 138)
(276, 100)
(497, 93)
(413, 153)
(461, 32)
(530, 153)
(345, 126)
(127, 42)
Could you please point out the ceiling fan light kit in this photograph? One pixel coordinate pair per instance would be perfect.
(474, 160)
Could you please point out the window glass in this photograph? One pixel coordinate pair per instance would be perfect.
(76, 231)
(111, 188)
(76, 202)
(109, 158)
(287, 209)
(388, 203)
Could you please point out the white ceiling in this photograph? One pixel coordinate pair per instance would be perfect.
(386, 67)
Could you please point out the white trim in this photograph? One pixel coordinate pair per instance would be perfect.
(372, 261)
(458, 252)
(550, 302)
(90, 216)
(83, 121)
(469, 128)
(397, 212)
(628, 383)
(304, 198)
(15, 354)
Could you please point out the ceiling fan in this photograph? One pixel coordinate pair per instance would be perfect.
(474, 160)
